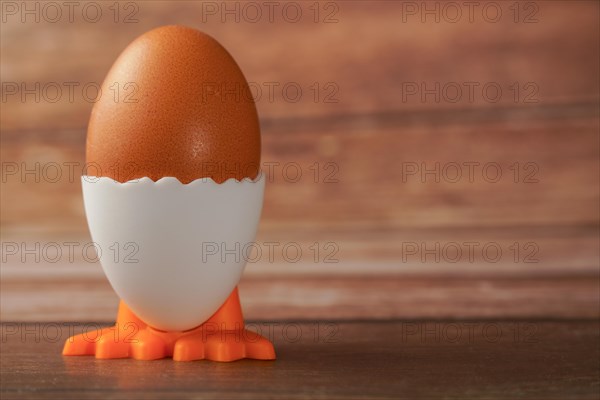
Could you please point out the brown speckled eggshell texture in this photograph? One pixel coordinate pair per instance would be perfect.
(189, 113)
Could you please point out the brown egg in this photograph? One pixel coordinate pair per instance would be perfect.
(175, 103)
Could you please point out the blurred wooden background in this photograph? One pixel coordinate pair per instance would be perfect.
(364, 59)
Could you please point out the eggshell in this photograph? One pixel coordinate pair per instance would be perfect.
(174, 104)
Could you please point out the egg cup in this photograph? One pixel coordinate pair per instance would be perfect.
(173, 253)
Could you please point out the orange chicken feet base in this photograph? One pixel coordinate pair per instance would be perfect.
(221, 338)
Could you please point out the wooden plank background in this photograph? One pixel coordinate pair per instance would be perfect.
(372, 209)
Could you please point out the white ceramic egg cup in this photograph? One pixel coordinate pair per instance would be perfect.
(169, 249)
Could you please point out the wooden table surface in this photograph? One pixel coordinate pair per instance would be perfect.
(351, 360)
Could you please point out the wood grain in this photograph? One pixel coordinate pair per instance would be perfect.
(349, 360)
(369, 53)
(76, 296)
(362, 199)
